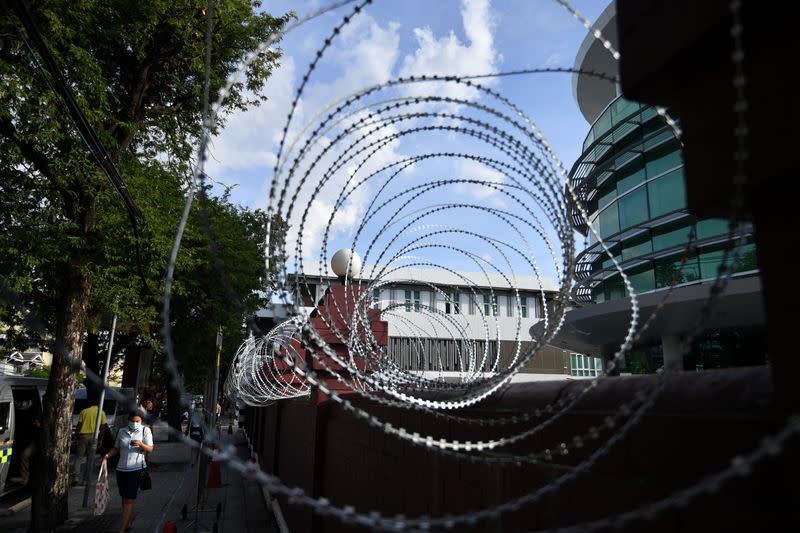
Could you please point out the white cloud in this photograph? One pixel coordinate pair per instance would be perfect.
(449, 56)
(250, 138)
(475, 170)
(367, 54)
(364, 54)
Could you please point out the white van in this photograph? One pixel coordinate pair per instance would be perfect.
(116, 412)
(21, 402)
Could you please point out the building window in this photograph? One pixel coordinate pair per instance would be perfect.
(665, 238)
(5, 414)
(490, 305)
(510, 305)
(606, 195)
(586, 365)
(747, 259)
(667, 193)
(471, 304)
(523, 302)
(663, 158)
(376, 298)
(633, 208)
(630, 176)
(637, 247)
(710, 227)
(609, 220)
(666, 271)
(451, 304)
(415, 297)
(643, 281)
(614, 288)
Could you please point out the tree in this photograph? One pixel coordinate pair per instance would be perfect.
(39, 372)
(217, 284)
(135, 68)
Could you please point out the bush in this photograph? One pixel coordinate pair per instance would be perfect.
(39, 372)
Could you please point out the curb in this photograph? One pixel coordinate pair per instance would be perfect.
(17, 507)
(76, 517)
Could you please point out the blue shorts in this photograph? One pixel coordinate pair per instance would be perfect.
(128, 484)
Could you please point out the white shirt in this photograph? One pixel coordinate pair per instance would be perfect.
(132, 458)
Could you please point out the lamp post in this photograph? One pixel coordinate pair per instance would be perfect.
(215, 382)
(90, 461)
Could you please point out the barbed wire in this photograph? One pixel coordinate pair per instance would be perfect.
(274, 366)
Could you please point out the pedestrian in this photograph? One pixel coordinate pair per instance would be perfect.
(197, 428)
(150, 414)
(133, 442)
(143, 408)
(84, 433)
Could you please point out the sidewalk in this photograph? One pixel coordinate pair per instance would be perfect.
(240, 502)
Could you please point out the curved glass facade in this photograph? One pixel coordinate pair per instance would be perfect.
(630, 180)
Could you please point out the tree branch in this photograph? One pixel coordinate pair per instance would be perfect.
(39, 160)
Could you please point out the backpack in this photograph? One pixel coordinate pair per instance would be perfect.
(196, 433)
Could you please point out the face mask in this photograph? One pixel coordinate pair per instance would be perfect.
(135, 426)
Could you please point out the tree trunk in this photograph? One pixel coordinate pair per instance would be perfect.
(51, 487)
(50, 499)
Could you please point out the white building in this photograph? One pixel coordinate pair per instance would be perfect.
(440, 321)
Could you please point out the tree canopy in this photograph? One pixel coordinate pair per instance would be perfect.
(136, 71)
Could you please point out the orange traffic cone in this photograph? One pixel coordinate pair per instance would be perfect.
(214, 476)
(169, 527)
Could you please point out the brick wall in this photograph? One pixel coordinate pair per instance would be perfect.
(695, 428)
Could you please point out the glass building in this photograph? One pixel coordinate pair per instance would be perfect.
(630, 181)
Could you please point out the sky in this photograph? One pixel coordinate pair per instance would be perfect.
(401, 38)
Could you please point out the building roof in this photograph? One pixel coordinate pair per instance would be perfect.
(441, 277)
(26, 357)
(591, 93)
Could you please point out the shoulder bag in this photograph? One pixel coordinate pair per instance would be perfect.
(145, 483)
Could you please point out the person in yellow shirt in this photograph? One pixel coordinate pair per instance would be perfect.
(87, 419)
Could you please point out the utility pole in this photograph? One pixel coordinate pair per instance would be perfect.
(90, 461)
(215, 382)
(211, 405)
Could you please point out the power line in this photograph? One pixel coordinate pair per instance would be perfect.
(59, 84)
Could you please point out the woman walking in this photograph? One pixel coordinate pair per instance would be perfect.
(132, 443)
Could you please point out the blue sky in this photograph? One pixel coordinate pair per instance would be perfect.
(393, 38)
